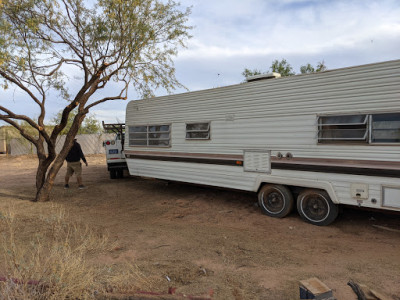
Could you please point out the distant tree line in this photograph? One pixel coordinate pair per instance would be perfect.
(285, 69)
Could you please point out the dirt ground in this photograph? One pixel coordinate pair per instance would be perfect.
(199, 239)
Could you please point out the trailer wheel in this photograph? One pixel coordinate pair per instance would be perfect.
(120, 173)
(113, 174)
(316, 207)
(275, 200)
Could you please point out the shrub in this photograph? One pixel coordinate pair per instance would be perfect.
(51, 261)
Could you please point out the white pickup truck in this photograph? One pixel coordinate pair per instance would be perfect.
(116, 163)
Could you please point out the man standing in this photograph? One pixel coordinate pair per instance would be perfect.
(74, 164)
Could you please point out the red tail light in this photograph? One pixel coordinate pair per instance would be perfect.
(108, 143)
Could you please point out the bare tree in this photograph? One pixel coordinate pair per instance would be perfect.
(131, 42)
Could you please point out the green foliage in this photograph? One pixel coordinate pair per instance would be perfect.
(24, 55)
(247, 72)
(137, 40)
(89, 126)
(285, 69)
(282, 67)
(308, 68)
(321, 67)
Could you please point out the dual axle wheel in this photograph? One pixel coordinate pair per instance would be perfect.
(116, 173)
(314, 206)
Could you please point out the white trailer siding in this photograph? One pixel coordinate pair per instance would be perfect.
(235, 178)
(212, 175)
(278, 115)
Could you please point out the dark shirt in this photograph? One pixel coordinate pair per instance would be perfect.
(75, 154)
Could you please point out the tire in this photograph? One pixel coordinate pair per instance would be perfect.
(113, 174)
(275, 200)
(120, 173)
(316, 207)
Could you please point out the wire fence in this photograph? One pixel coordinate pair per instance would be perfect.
(90, 143)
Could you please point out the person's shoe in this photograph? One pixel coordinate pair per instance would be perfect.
(66, 186)
(82, 187)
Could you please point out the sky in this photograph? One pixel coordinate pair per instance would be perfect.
(230, 35)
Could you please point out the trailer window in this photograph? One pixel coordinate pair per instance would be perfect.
(385, 128)
(149, 136)
(347, 128)
(198, 131)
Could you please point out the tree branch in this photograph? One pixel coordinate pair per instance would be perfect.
(58, 66)
(81, 97)
(104, 100)
(78, 28)
(20, 85)
(10, 115)
(19, 128)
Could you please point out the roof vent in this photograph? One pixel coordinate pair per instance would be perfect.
(263, 76)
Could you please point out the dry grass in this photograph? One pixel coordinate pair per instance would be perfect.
(52, 262)
(180, 230)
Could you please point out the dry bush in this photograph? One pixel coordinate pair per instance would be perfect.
(126, 279)
(52, 260)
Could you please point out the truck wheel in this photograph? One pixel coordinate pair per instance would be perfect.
(120, 173)
(316, 207)
(275, 200)
(113, 174)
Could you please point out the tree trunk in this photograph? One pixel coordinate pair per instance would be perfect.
(43, 166)
(43, 190)
(40, 181)
(45, 177)
(43, 187)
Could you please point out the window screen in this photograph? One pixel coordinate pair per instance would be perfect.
(343, 128)
(385, 128)
(149, 136)
(198, 131)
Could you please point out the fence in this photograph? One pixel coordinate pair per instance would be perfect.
(90, 143)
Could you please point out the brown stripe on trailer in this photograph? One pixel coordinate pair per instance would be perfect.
(339, 166)
(205, 158)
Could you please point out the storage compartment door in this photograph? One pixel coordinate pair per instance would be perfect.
(391, 197)
(257, 161)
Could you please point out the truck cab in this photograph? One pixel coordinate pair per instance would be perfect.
(114, 148)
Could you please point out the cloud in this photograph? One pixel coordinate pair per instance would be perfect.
(110, 115)
(230, 35)
(234, 28)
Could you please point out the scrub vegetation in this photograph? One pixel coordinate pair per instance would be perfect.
(135, 234)
(55, 262)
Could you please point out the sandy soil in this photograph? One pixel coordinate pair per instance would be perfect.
(202, 238)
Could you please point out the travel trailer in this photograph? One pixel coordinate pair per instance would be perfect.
(314, 141)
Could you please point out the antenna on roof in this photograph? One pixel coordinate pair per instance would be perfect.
(218, 77)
